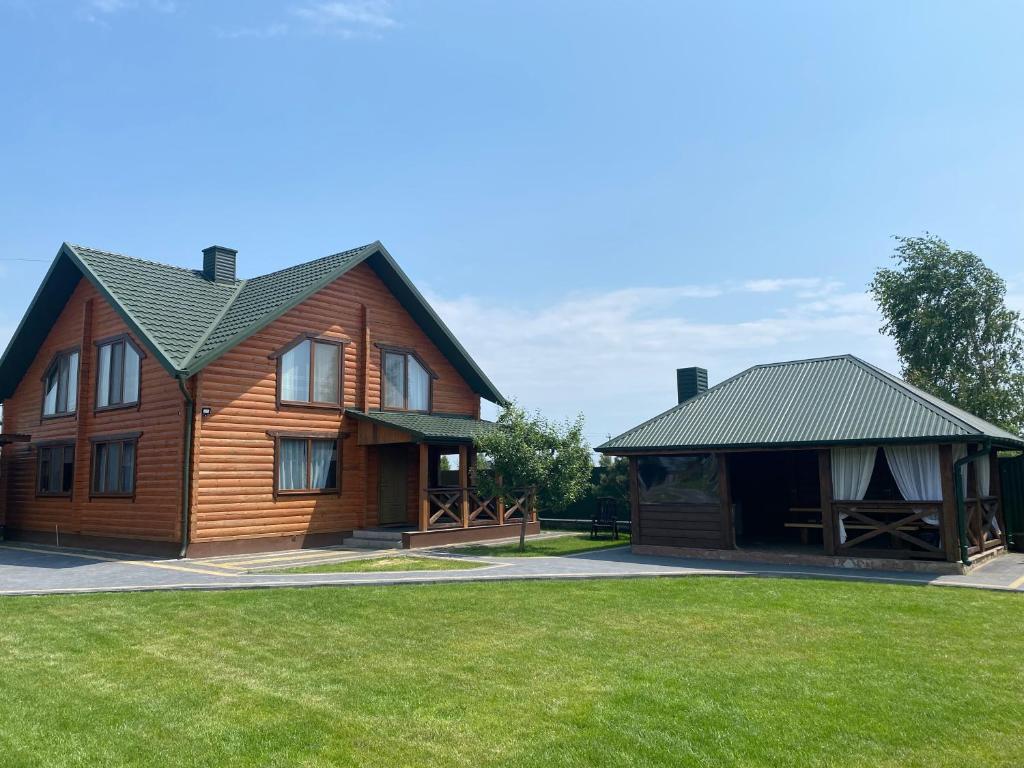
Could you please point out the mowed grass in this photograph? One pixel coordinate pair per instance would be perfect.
(383, 564)
(570, 544)
(660, 672)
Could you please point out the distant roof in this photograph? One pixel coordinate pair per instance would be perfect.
(429, 427)
(188, 321)
(818, 402)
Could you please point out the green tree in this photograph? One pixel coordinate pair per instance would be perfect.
(614, 481)
(528, 451)
(954, 334)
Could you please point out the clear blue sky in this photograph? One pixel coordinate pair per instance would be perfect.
(592, 193)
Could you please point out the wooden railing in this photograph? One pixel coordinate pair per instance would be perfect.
(465, 507)
(890, 528)
(983, 529)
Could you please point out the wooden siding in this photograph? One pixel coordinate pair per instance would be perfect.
(674, 525)
(234, 467)
(155, 512)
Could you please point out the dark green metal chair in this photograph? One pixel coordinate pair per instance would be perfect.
(605, 519)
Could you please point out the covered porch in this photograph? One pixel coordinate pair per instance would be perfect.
(427, 480)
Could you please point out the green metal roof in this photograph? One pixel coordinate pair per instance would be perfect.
(823, 401)
(188, 321)
(429, 427)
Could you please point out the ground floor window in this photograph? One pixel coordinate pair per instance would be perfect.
(307, 465)
(56, 470)
(113, 467)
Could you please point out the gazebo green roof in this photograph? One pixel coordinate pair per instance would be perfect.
(825, 401)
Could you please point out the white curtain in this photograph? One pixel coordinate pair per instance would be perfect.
(982, 470)
(291, 471)
(73, 382)
(323, 458)
(103, 377)
(419, 386)
(130, 391)
(917, 474)
(851, 475)
(326, 387)
(295, 373)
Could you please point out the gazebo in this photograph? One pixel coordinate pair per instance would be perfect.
(823, 458)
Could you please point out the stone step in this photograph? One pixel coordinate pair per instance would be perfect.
(365, 542)
(377, 533)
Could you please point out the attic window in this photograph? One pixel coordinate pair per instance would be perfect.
(407, 381)
(119, 364)
(60, 385)
(310, 371)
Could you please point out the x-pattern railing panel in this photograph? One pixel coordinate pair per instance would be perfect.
(893, 526)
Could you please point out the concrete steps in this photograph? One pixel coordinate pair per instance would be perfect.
(374, 538)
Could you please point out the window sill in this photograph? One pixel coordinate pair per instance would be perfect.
(118, 407)
(48, 495)
(393, 409)
(55, 416)
(309, 492)
(303, 404)
(126, 496)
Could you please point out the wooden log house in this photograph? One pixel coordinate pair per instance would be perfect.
(173, 410)
(829, 460)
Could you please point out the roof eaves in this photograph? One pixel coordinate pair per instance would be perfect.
(129, 319)
(370, 417)
(194, 366)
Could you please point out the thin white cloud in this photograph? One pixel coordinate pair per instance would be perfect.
(348, 18)
(98, 11)
(258, 33)
(613, 355)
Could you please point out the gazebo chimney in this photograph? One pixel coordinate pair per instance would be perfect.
(690, 382)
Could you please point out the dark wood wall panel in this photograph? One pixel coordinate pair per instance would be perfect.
(669, 525)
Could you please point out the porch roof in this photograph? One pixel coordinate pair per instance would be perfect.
(428, 427)
(804, 403)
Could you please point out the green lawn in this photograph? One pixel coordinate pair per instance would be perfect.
(658, 672)
(379, 564)
(547, 547)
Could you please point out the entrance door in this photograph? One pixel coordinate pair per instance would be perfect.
(393, 474)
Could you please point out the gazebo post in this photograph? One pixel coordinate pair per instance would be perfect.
(828, 530)
(464, 484)
(950, 531)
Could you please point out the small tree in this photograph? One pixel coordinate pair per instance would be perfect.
(954, 334)
(531, 452)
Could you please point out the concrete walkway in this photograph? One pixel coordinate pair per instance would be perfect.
(33, 570)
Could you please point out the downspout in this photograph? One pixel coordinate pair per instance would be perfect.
(186, 469)
(961, 494)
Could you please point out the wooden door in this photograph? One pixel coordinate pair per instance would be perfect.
(393, 485)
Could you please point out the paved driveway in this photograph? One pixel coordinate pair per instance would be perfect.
(28, 569)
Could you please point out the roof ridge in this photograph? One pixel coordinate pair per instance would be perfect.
(314, 261)
(195, 272)
(213, 323)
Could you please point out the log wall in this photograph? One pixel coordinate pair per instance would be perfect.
(234, 470)
(155, 512)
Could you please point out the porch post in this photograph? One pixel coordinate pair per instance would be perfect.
(950, 530)
(500, 503)
(995, 486)
(424, 480)
(464, 483)
(828, 523)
